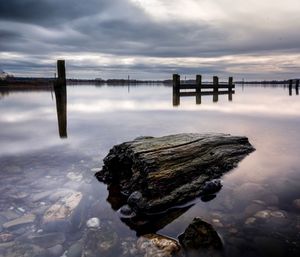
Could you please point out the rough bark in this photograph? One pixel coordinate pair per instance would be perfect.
(158, 173)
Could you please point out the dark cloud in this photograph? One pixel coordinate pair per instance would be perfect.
(43, 29)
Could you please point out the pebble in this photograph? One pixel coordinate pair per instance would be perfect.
(296, 204)
(127, 211)
(250, 221)
(93, 223)
(6, 237)
(74, 176)
(263, 214)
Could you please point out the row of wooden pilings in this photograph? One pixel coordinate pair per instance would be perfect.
(291, 86)
(201, 89)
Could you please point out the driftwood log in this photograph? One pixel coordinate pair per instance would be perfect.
(155, 174)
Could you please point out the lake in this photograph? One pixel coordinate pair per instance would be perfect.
(45, 163)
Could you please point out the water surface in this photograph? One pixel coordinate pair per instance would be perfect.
(254, 213)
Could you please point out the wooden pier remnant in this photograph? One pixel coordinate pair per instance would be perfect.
(200, 89)
(60, 90)
(297, 87)
(61, 72)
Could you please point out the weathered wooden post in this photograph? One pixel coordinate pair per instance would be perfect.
(61, 72)
(290, 87)
(198, 89)
(216, 89)
(61, 98)
(230, 86)
(176, 90)
(297, 87)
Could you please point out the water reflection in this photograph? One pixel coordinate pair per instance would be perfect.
(60, 90)
(198, 95)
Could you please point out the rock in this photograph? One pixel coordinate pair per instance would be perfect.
(39, 196)
(127, 211)
(100, 242)
(265, 214)
(61, 214)
(211, 187)
(55, 251)
(296, 204)
(6, 237)
(45, 240)
(93, 223)
(154, 245)
(200, 234)
(26, 250)
(250, 221)
(75, 250)
(74, 176)
(24, 220)
(129, 247)
(167, 171)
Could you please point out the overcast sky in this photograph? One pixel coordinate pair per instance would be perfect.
(149, 39)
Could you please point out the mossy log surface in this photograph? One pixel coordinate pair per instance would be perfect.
(158, 173)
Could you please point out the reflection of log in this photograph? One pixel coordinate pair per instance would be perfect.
(61, 108)
(170, 170)
(153, 223)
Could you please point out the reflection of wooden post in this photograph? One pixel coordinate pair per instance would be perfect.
(61, 109)
(290, 86)
(198, 89)
(297, 87)
(216, 89)
(176, 90)
(230, 85)
(61, 71)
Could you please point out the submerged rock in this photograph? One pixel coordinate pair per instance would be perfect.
(158, 173)
(200, 234)
(24, 220)
(154, 245)
(61, 214)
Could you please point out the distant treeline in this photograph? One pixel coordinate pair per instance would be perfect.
(30, 81)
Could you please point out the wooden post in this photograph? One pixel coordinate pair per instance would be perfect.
(297, 87)
(198, 89)
(230, 85)
(290, 87)
(61, 72)
(216, 89)
(176, 90)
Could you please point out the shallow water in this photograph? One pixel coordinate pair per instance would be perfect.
(254, 213)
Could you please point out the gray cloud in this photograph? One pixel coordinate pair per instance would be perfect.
(41, 30)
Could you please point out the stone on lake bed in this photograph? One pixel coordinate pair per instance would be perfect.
(159, 173)
(61, 213)
(93, 223)
(200, 235)
(296, 204)
(153, 245)
(24, 220)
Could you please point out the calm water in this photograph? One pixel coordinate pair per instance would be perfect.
(255, 213)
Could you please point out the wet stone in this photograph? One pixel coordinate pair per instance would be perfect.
(6, 237)
(296, 204)
(127, 211)
(265, 214)
(75, 250)
(100, 242)
(60, 214)
(128, 247)
(200, 234)
(93, 223)
(154, 245)
(24, 220)
(46, 240)
(55, 251)
(211, 187)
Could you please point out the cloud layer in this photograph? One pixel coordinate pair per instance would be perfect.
(151, 38)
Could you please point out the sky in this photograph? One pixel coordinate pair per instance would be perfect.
(151, 39)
